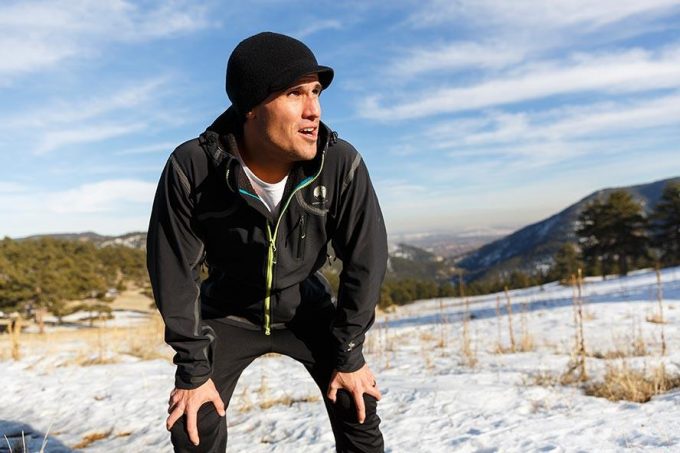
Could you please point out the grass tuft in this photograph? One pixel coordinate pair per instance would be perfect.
(624, 383)
(92, 438)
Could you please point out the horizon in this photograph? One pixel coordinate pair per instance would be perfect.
(495, 230)
(470, 115)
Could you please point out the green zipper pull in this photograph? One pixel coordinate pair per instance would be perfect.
(271, 260)
(271, 250)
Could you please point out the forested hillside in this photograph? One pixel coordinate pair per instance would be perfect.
(46, 273)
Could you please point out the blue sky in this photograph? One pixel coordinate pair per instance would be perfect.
(470, 114)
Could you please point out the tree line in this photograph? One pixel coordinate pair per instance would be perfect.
(612, 236)
(47, 273)
(615, 236)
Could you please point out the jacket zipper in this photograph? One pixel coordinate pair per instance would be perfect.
(271, 252)
(271, 260)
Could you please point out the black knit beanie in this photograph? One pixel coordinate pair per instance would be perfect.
(266, 63)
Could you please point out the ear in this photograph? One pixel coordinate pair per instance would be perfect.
(250, 115)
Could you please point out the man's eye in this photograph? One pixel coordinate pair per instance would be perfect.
(294, 93)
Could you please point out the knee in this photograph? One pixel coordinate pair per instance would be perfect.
(345, 408)
(208, 423)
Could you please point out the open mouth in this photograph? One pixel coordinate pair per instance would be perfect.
(308, 132)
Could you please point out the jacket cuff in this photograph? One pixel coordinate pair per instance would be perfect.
(351, 361)
(186, 382)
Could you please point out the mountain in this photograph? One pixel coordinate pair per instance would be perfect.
(532, 248)
(407, 261)
(449, 245)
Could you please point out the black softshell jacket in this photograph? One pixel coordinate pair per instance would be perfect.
(262, 269)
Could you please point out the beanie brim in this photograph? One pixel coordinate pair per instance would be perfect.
(287, 78)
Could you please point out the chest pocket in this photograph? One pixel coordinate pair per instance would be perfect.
(321, 203)
(297, 238)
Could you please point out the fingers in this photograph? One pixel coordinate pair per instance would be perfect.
(192, 429)
(332, 392)
(219, 406)
(172, 402)
(176, 413)
(359, 402)
(374, 392)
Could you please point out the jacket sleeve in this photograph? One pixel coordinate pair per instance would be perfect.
(174, 257)
(360, 241)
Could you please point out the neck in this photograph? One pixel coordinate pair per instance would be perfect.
(261, 164)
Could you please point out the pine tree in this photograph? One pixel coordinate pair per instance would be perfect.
(665, 225)
(567, 262)
(613, 234)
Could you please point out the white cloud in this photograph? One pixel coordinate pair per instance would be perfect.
(38, 34)
(456, 56)
(165, 147)
(55, 139)
(63, 112)
(101, 196)
(566, 123)
(31, 54)
(112, 113)
(10, 187)
(111, 206)
(628, 71)
(541, 14)
(317, 26)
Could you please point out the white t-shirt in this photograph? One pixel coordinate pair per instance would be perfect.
(269, 193)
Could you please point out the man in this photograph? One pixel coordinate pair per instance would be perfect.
(257, 197)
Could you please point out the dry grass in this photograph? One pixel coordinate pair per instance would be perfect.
(427, 336)
(245, 402)
(635, 347)
(133, 299)
(91, 346)
(655, 319)
(574, 373)
(578, 361)
(658, 318)
(543, 379)
(589, 315)
(19, 445)
(145, 342)
(427, 360)
(552, 379)
(287, 400)
(624, 383)
(468, 352)
(15, 338)
(91, 438)
(526, 343)
(500, 348)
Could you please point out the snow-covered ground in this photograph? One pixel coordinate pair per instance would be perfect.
(432, 401)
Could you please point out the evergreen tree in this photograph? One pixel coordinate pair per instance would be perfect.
(665, 225)
(567, 262)
(612, 234)
(47, 273)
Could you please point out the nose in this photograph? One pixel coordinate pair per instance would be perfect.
(312, 110)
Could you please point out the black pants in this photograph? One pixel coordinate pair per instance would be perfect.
(308, 342)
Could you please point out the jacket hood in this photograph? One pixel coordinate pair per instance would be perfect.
(220, 140)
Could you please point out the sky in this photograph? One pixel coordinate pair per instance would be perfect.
(471, 115)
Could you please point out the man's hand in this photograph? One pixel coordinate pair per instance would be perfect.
(356, 383)
(188, 402)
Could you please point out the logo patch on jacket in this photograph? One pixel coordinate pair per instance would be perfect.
(319, 195)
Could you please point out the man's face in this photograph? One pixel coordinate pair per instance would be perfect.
(286, 124)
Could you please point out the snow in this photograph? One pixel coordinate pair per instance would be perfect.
(432, 401)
